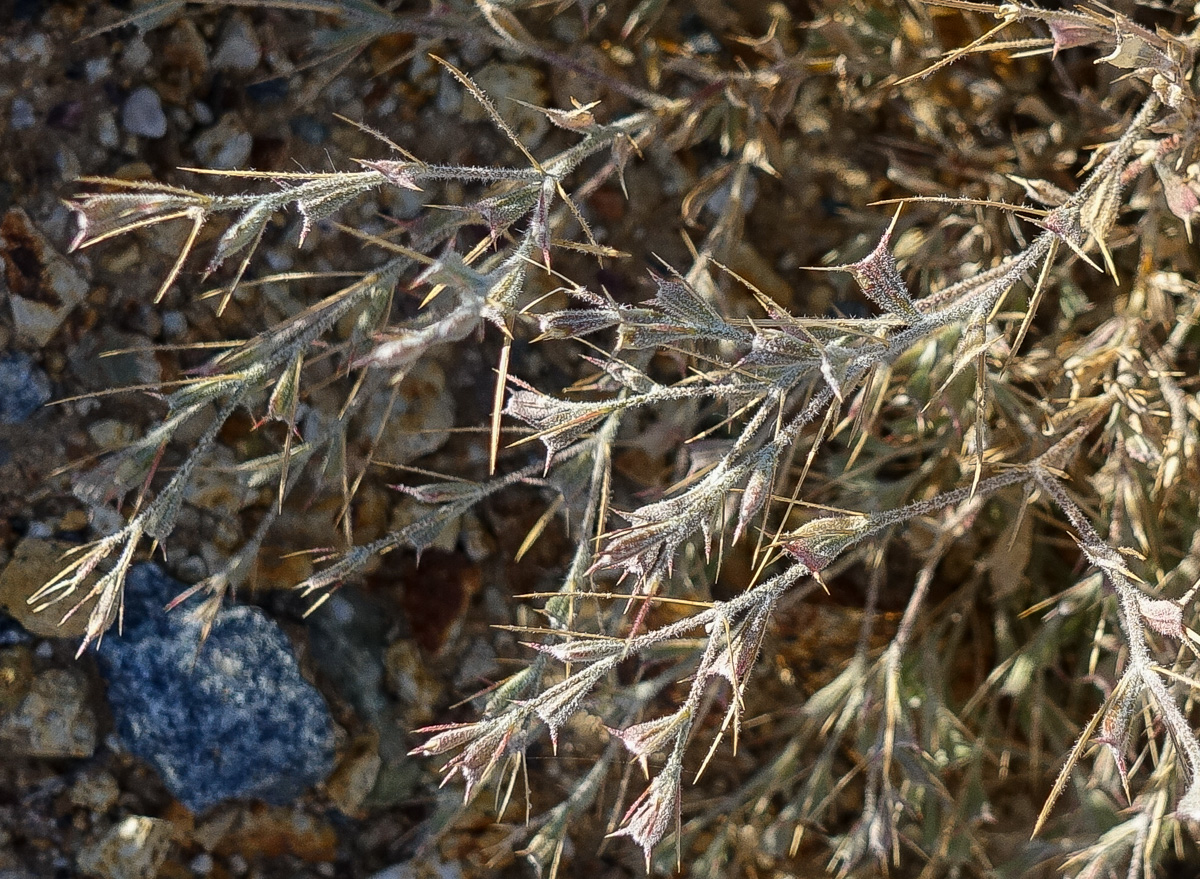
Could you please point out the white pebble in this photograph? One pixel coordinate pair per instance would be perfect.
(239, 49)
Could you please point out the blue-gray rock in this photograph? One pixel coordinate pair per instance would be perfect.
(21, 116)
(229, 719)
(142, 114)
(23, 387)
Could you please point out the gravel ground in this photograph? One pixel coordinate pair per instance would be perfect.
(84, 792)
(219, 89)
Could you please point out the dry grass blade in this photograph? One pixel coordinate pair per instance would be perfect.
(955, 54)
(490, 109)
(1073, 757)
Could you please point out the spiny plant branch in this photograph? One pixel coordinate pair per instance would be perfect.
(784, 413)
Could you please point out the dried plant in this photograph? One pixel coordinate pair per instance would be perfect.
(921, 460)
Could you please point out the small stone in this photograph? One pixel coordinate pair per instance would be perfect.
(142, 114)
(419, 420)
(24, 387)
(256, 832)
(193, 569)
(477, 542)
(185, 49)
(73, 520)
(239, 48)
(96, 791)
(478, 664)
(105, 520)
(137, 54)
(134, 365)
(718, 202)
(279, 568)
(53, 720)
(107, 134)
(409, 678)
(211, 488)
(36, 49)
(95, 69)
(227, 718)
(21, 115)
(174, 324)
(202, 113)
(34, 563)
(403, 204)
(67, 164)
(355, 776)
(346, 643)
(133, 849)
(42, 286)
(108, 433)
(225, 146)
(449, 95)
(121, 259)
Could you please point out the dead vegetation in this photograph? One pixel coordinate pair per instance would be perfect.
(915, 370)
